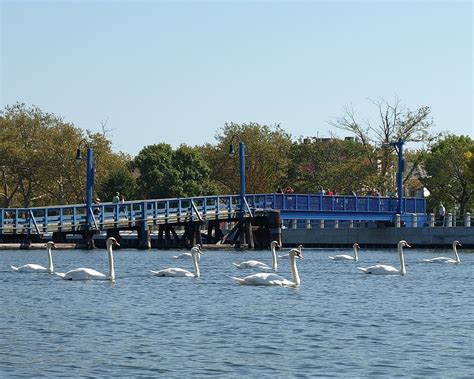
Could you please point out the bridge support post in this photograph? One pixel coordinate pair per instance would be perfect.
(431, 220)
(398, 221)
(214, 232)
(167, 236)
(161, 229)
(449, 220)
(114, 233)
(467, 220)
(241, 229)
(274, 224)
(188, 237)
(197, 234)
(59, 237)
(88, 239)
(249, 233)
(210, 227)
(192, 234)
(351, 224)
(414, 220)
(308, 224)
(245, 234)
(144, 240)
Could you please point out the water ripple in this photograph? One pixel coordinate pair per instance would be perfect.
(339, 323)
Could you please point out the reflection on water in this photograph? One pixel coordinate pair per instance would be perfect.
(339, 322)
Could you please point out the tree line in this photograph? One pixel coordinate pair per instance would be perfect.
(38, 165)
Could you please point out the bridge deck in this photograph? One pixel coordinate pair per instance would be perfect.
(72, 218)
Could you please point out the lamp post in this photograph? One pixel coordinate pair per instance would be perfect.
(398, 145)
(242, 174)
(89, 180)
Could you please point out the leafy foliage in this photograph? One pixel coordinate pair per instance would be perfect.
(267, 157)
(449, 172)
(37, 158)
(38, 167)
(163, 172)
(331, 164)
(118, 180)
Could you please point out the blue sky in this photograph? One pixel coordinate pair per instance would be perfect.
(175, 72)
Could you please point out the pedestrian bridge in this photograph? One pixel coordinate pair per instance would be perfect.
(304, 208)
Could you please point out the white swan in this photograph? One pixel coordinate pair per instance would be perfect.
(31, 267)
(89, 273)
(177, 272)
(456, 259)
(260, 265)
(271, 279)
(345, 257)
(389, 270)
(286, 256)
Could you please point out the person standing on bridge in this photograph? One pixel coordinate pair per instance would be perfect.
(97, 204)
(442, 213)
(122, 201)
(116, 198)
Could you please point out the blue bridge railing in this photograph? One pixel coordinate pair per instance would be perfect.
(72, 218)
(321, 203)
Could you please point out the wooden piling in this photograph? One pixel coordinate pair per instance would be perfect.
(88, 239)
(144, 239)
(249, 233)
(114, 233)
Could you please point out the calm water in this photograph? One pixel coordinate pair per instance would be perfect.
(339, 323)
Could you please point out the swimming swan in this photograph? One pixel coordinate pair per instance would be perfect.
(260, 265)
(89, 273)
(179, 272)
(271, 279)
(389, 270)
(31, 267)
(345, 257)
(286, 256)
(457, 260)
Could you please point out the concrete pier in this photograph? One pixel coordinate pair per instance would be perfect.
(379, 237)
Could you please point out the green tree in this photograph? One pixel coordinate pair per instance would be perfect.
(470, 165)
(118, 180)
(163, 172)
(157, 176)
(448, 174)
(331, 164)
(23, 152)
(267, 150)
(37, 158)
(194, 172)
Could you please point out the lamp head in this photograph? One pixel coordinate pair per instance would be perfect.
(231, 150)
(78, 155)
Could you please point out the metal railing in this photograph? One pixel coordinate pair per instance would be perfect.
(72, 218)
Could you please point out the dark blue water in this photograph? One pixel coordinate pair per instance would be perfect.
(338, 323)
